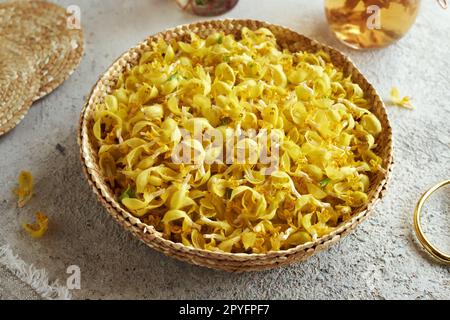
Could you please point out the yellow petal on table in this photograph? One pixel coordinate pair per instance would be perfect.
(39, 228)
(397, 100)
(25, 189)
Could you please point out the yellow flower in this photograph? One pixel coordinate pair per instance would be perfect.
(39, 228)
(397, 100)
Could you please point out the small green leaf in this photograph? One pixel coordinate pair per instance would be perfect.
(220, 40)
(324, 182)
(129, 193)
(173, 77)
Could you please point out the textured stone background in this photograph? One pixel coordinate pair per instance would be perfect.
(380, 260)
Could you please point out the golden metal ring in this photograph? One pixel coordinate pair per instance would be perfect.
(435, 252)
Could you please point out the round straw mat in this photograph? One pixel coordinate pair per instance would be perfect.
(43, 28)
(18, 84)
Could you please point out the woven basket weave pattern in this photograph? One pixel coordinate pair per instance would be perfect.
(226, 261)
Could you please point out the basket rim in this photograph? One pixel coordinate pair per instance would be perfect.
(84, 142)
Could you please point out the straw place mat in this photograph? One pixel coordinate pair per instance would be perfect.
(40, 33)
(18, 83)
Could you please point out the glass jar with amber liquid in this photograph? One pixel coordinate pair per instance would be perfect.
(366, 24)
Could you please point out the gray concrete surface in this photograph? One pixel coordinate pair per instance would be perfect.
(379, 260)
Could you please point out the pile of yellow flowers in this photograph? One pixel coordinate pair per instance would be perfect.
(321, 140)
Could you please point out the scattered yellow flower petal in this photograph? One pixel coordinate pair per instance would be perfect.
(25, 189)
(397, 100)
(38, 229)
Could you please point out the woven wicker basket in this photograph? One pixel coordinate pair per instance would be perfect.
(226, 261)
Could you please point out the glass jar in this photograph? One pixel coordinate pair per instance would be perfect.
(366, 24)
(207, 7)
